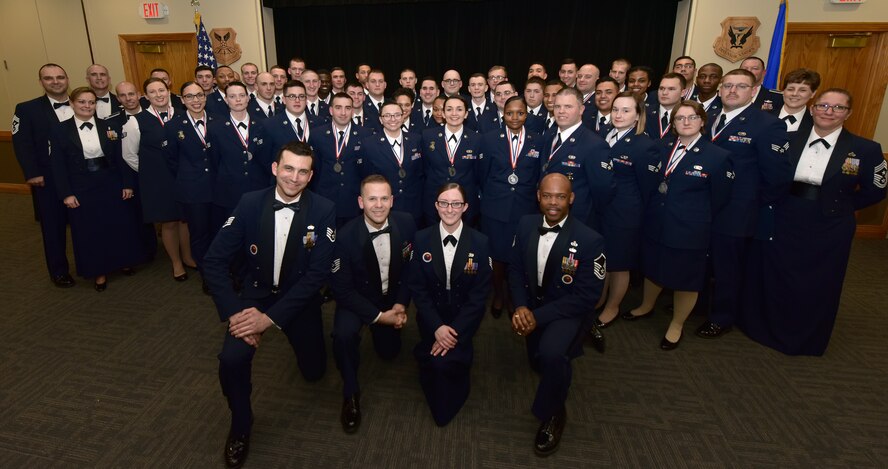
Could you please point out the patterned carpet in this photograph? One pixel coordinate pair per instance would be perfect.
(128, 378)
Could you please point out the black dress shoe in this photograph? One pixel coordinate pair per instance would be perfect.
(549, 434)
(628, 316)
(63, 281)
(711, 330)
(100, 287)
(351, 413)
(181, 278)
(596, 338)
(236, 449)
(604, 325)
(665, 344)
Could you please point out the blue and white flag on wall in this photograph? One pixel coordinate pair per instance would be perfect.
(775, 54)
(205, 54)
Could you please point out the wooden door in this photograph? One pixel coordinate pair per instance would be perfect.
(861, 70)
(175, 52)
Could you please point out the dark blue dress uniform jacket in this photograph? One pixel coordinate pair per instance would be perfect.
(189, 160)
(250, 232)
(585, 159)
(355, 278)
(501, 198)
(757, 142)
(436, 164)
(375, 156)
(343, 187)
(239, 170)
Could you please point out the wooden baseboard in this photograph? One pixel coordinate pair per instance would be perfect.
(9, 188)
(871, 232)
(5, 136)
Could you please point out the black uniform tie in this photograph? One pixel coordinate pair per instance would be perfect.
(277, 205)
(721, 123)
(664, 121)
(820, 140)
(375, 234)
(554, 229)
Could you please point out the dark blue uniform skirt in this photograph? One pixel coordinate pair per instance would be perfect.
(675, 269)
(157, 191)
(501, 234)
(105, 229)
(795, 281)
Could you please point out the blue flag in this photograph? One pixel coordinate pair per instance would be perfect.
(205, 54)
(775, 54)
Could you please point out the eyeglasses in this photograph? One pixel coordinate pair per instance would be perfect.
(504, 93)
(392, 116)
(496, 77)
(837, 108)
(192, 97)
(739, 86)
(445, 204)
(691, 118)
(451, 81)
(295, 97)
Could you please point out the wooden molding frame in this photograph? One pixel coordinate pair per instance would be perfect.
(128, 53)
(836, 27)
(9, 188)
(5, 136)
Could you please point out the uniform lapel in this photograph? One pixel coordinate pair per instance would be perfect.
(796, 146)
(553, 263)
(530, 259)
(102, 129)
(461, 256)
(437, 251)
(266, 239)
(295, 237)
(74, 134)
(839, 153)
(397, 258)
(370, 262)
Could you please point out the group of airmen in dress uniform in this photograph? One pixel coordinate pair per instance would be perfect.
(545, 193)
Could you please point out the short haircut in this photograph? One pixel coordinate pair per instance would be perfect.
(297, 148)
(297, 59)
(377, 71)
(688, 57)
(337, 69)
(404, 92)
(353, 84)
(279, 67)
(607, 79)
(81, 90)
(569, 61)
(151, 80)
(679, 76)
(236, 84)
(556, 82)
(362, 64)
(713, 64)
(571, 92)
(839, 91)
(221, 67)
(375, 179)
(342, 95)
(803, 75)
(535, 80)
(457, 97)
(249, 64)
(498, 67)
(477, 75)
(506, 83)
(621, 60)
(450, 186)
(204, 68)
(322, 71)
(762, 62)
(406, 70)
(741, 72)
(428, 78)
(40, 71)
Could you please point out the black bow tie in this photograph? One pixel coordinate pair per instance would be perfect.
(89, 126)
(198, 122)
(453, 138)
(554, 229)
(242, 125)
(277, 205)
(792, 119)
(387, 229)
(820, 140)
(104, 100)
(450, 239)
(58, 105)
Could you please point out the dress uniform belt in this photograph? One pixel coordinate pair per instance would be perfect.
(805, 191)
(96, 164)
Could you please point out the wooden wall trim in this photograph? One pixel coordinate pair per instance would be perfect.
(5, 136)
(836, 27)
(9, 188)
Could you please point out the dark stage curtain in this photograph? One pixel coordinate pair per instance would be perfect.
(431, 37)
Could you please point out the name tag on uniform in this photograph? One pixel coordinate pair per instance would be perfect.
(533, 154)
(739, 139)
(697, 174)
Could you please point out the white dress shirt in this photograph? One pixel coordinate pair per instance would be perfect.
(814, 158)
(449, 249)
(62, 112)
(89, 138)
(793, 127)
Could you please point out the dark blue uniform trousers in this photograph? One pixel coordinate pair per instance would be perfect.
(550, 350)
(346, 346)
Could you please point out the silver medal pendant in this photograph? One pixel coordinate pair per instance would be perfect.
(249, 156)
(513, 179)
(663, 187)
(451, 171)
(337, 167)
(401, 173)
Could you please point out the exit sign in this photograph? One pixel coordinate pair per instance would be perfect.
(152, 10)
(847, 1)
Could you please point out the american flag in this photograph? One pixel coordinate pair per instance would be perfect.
(204, 46)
